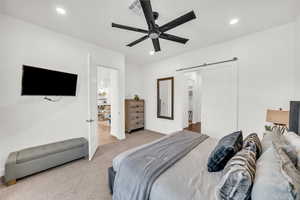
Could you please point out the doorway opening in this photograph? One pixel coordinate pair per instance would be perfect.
(107, 104)
(193, 99)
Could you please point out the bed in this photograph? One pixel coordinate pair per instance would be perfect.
(188, 178)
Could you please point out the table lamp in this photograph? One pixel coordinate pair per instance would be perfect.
(279, 118)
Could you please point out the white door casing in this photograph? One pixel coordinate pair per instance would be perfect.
(115, 104)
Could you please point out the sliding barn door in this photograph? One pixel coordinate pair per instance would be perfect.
(219, 100)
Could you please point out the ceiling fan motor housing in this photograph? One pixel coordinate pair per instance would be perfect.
(154, 34)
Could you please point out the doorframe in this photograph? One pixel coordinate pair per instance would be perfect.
(119, 137)
(122, 135)
(121, 128)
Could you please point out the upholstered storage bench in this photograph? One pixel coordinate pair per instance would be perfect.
(36, 159)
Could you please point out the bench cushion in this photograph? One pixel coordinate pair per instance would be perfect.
(45, 150)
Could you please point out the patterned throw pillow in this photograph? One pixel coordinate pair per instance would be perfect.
(253, 139)
(239, 173)
(281, 142)
(227, 147)
(294, 140)
(288, 170)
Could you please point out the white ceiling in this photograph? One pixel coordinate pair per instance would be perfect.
(90, 20)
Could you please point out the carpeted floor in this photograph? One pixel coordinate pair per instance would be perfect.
(79, 180)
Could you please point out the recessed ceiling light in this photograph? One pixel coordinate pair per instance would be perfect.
(234, 21)
(152, 53)
(61, 11)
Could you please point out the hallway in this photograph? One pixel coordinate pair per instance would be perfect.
(104, 133)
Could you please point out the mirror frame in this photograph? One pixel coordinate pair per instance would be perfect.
(172, 100)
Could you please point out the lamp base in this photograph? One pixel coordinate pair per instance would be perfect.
(280, 128)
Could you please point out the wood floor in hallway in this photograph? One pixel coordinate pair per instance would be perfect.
(196, 127)
(104, 133)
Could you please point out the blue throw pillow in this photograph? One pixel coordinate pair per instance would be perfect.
(227, 147)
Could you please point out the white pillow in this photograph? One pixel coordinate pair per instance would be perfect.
(294, 140)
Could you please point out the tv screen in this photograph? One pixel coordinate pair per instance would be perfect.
(44, 82)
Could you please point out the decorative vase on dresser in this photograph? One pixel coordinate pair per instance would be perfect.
(134, 114)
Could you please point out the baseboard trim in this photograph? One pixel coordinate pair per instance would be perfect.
(162, 133)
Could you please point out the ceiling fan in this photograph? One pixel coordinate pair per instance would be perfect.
(154, 31)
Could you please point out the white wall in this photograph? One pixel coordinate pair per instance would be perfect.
(134, 81)
(266, 63)
(297, 56)
(28, 121)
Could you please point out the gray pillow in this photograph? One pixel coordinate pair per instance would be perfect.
(226, 148)
(270, 183)
(266, 141)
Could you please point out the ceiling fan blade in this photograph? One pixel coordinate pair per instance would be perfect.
(147, 9)
(173, 38)
(179, 21)
(138, 41)
(156, 44)
(129, 28)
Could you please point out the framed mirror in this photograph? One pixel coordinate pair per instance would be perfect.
(165, 98)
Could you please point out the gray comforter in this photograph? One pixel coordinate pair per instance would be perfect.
(140, 169)
(188, 179)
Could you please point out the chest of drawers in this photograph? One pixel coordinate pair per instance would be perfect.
(134, 115)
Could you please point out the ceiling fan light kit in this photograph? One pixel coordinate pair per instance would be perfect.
(136, 7)
(156, 32)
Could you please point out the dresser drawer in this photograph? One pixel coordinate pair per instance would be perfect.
(135, 124)
(135, 116)
(135, 120)
(136, 110)
(136, 104)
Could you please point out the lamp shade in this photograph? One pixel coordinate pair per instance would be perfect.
(278, 117)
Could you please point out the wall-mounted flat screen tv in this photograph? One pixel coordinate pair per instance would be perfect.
(44, 82)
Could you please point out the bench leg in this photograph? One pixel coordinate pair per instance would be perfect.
(12, 182)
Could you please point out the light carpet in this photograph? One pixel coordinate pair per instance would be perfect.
(79, 180)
